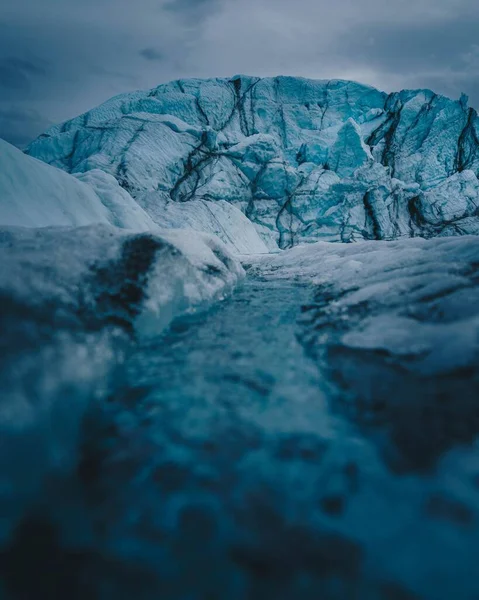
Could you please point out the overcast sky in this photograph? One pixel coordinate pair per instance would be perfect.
(59, 58)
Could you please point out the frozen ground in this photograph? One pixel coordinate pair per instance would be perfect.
(244, 453)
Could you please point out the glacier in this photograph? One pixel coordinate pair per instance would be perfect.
(208, 388)
(304, 160)
(34, 194)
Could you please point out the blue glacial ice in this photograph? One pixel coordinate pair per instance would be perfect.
(196, 404)
(303, 160)
(34, 194)
(315, 433)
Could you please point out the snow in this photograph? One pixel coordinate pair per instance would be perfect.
(36, 195)
(304, 160)
(124, 212)
(33, 194)
(219, 218)
(416, 300)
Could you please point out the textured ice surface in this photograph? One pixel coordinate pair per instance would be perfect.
(33, 194)
(313, 436)
(303, 159)
(411, 299)
(72, 301)
(219, 218)
(68, 267)
(395, 325)
(225, 465)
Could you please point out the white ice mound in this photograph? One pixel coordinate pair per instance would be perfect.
(33, 194)
(304, 160)
(218, 218)
(99, 275)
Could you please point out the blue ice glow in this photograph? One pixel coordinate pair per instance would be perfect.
(304, 160)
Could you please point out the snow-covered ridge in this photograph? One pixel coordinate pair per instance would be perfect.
(33, 194)
(304, 160)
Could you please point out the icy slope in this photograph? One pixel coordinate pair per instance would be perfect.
(409, 298)
(33, 194)
(303, 159)
(217, 218)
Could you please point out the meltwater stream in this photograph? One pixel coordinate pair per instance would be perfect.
(218, 470)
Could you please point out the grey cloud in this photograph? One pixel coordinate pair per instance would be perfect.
(17, 73)
(152, 54)
(410, 47)
(18, 125)
(435, 54)
(70, 56)
(192, 9)
(25, 66)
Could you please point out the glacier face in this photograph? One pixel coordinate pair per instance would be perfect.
(304, 160)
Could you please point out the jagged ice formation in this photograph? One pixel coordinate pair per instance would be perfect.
(304, 160)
